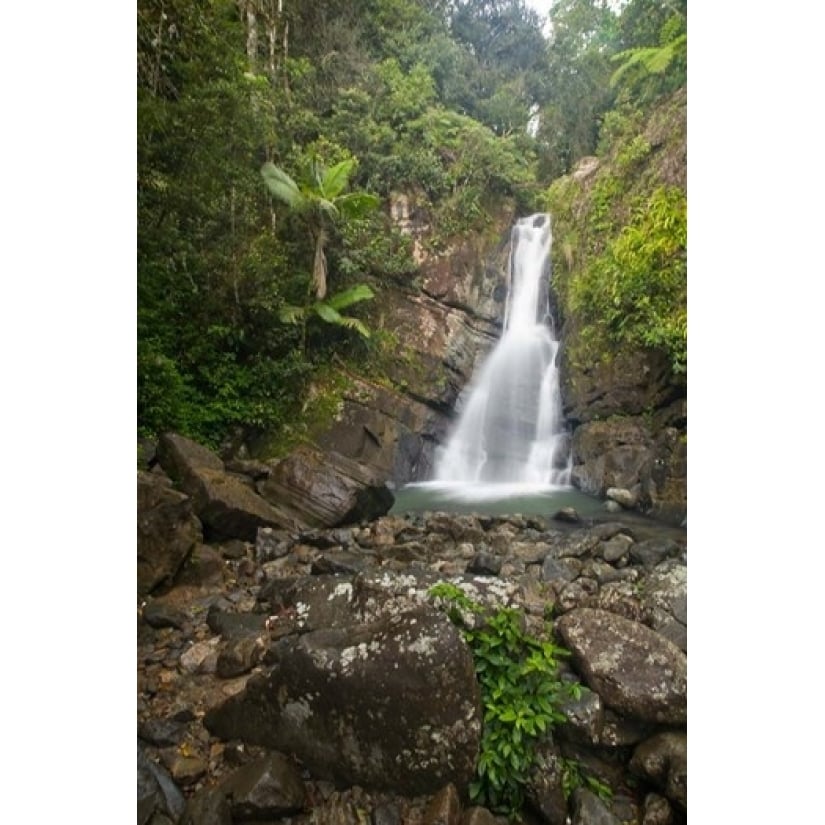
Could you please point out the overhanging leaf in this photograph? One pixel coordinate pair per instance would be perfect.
(357, 204)
(289, 314)
(334, 179)
(281, 186)
(348, 297)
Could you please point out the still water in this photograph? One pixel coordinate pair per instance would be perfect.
(496, 499)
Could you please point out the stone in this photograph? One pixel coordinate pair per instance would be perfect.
(544, 790)
(485, 564)
(207, 807)
(617, 547)
(662, 760)
(564, 570)
(567, 515)
(201, 657)
(386, 814)
(185, 770)
(226, 506)
(585, 717)
(271, 543)
(237, 657)
(235, 625)
(326, 489)
(161, 732)
(478, 816)
(167, 532)
(627, 498)
(338, 561)
(267, 788)
(156, 792)
(652, 551)
(444, 808)
(635, 670)
(391, 704)
(157, 614)
(657, 810)
(588, 809)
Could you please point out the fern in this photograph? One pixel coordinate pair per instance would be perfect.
(650, 59)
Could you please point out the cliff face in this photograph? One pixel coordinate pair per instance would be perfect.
(625, 387)
(624, 397)
(435, 332)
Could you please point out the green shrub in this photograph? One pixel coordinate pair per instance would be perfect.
(521, 692)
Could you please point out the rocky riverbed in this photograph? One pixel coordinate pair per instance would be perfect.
(308, 676)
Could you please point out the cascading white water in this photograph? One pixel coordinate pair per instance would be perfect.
(511, 429)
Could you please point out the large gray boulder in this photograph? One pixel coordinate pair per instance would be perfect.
(390, 704)
(635, 670)
(167, 531)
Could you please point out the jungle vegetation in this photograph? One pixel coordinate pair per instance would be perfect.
(271, 133)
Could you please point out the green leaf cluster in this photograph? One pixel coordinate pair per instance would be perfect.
(636, 290)
(521, 691)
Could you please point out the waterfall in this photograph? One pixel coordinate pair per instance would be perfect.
(511, 429)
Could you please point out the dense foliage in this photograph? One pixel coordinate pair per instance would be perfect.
(522, 694)
(465, 104)
(621, 266)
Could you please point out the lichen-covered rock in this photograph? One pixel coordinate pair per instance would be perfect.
(389, 704)
(544, 788)
(585, 717)
(635, 670)
(167, 532)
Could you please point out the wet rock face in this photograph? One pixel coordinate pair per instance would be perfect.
(645, 467)
(389, 704)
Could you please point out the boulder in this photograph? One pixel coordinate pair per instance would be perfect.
(167, 532)
(635, 670)
(626, 458)
(157, 793)
(662, 760)
(390, 704)
(325, 489)
(268, 788)
(225, 504)
(588, 809)
(544, 789)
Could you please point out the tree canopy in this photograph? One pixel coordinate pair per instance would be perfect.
(341, 103)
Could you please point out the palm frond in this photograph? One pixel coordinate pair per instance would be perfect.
(335, 179)
(282, 186)
(348, 297)
(289, 314)
(357, 204)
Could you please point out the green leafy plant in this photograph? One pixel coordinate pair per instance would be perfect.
(521, 692)
(329, 310)
(320, 199)
(572, 777)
